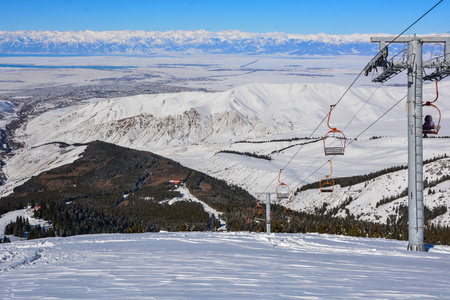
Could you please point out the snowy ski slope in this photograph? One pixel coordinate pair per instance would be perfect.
(221, 266)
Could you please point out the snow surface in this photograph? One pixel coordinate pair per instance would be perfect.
(33, 161)
(218, 72)
(221, 266)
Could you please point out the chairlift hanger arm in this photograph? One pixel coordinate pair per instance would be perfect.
(334, 150)
(428, 103)
(329, 115)
(279, 175)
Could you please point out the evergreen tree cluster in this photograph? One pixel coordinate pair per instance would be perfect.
(387, 200)
(352, 180)
(110, 189)
(22, 228)
(250, 154)
(5, 240)
(323, 221)
(218, 194)
(276, 141)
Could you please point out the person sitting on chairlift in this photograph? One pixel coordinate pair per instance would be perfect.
(428, 125)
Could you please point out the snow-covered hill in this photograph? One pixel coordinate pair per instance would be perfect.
(194, 127)
(366, 197)
(221, 266)
(201, 41)
(185, 119)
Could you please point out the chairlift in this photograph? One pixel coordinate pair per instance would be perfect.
(429, 127)
(326, 184)
(259, 212)
(336, 139)
(283, 192)
(257, 215)
(289, 206)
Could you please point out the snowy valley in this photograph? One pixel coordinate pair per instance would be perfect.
(210, 132)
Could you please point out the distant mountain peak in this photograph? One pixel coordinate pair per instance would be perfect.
(156, 42)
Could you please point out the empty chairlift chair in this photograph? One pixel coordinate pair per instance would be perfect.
(259, 212)
(289, 206)
(257, 218)
(283, 192)
(334, 140)
(326, 184)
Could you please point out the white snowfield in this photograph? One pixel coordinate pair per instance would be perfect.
(221, 266)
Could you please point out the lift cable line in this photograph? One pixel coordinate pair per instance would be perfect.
(351, 85)
(362, 132)
(354, 116)
(415, 22)
(321, 122)
(383, 52)
(295, 154)
(354, 81)
(361, 108)
(379, 118)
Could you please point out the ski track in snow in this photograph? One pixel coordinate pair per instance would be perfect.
(221, 266)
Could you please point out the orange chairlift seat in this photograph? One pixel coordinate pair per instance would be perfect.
(258, 213)
(283, 192)
(336, 139)
(289, 206)
(433, 129)
(326, 184)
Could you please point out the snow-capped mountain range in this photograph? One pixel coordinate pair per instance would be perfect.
(200, 41)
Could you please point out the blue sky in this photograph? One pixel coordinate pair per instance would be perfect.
(290, 16)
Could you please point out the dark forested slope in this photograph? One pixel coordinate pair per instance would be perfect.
(115, 189)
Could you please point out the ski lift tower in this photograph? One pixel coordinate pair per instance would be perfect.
(414, 64)
(268, 212)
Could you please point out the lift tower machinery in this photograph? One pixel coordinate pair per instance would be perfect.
(414, 65)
